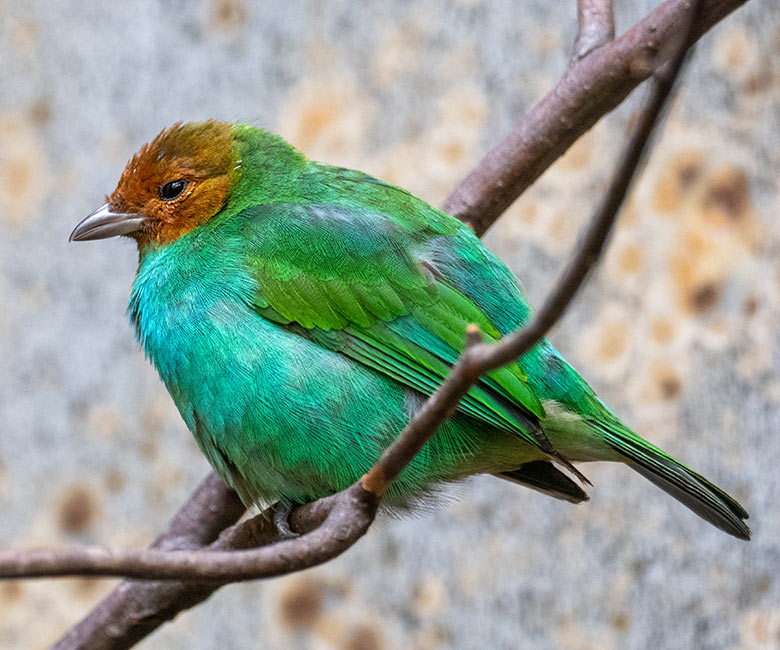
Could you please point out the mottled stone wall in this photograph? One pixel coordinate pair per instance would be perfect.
(678, 331)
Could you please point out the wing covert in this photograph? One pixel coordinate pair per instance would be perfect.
(352, 280)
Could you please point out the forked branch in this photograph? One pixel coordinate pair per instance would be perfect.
(345, 516)
(594, 83)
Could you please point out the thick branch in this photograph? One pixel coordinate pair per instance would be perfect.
(595, 26)
(135, 609)
(590, 88)
(211, 508)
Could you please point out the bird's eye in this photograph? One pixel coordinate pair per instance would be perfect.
(172, 189)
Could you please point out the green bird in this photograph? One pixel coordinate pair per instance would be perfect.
(300, 313)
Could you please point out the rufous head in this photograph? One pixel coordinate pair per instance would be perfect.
(175, 183)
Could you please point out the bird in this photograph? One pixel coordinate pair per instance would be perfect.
(300, 313)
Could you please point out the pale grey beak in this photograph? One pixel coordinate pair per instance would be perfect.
(103, 223)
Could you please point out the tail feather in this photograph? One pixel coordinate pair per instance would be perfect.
(689, 488)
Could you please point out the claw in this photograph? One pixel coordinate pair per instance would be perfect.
(282, 521)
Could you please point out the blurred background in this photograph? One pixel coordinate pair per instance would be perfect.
(678, 330)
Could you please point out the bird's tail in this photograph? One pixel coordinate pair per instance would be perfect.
(689, 488)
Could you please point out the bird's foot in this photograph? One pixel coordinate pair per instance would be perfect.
(282, 521)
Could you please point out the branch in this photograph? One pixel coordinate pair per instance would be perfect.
(589, 88)
(339, 529)
(595, 26)
(135, 609)
(212, 508)
(343, 518)
(480, 358)
(426, 421)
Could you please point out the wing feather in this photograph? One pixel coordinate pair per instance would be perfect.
(351, 280)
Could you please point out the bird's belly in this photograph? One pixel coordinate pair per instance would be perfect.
(282, 418)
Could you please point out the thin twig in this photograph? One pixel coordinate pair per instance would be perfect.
(595, 26)
(349, 514)
(589, 88)
(436, 409)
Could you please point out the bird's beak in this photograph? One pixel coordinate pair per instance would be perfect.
(103, 223)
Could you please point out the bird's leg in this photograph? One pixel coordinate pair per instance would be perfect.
(282, 521)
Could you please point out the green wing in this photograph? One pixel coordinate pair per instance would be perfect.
(352, 281)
